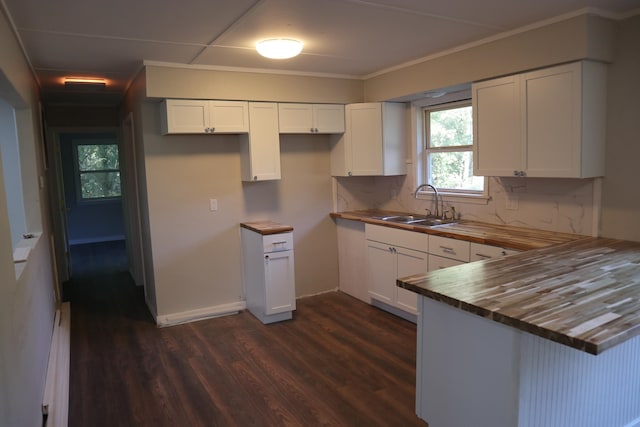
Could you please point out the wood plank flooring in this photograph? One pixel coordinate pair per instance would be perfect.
(339, 362)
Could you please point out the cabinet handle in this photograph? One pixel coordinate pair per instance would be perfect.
(504, 253)
(255, 177)
(484, 256)
(523, 173)
(266, 257)
(350, 173)
(447, 250)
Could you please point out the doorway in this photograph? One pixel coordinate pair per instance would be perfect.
(93, 213)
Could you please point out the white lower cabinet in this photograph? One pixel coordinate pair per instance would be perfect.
(392, 254)
(268, 273)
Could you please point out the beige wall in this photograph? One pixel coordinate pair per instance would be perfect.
(197, 253)
(171, 82)
(621, 191)
(27, 304)
(582, 37)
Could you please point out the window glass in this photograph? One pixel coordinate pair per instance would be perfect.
(98, 168)
(449, 149)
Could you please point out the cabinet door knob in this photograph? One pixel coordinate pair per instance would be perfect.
(516, 173)
(350, 173)
(255, 178)
(523, 173)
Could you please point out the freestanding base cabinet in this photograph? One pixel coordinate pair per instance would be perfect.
(268, 271)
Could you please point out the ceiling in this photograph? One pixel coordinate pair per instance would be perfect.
(111, 39)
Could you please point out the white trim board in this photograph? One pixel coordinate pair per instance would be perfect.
(200, 314)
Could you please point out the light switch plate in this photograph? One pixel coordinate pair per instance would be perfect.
(213, 205)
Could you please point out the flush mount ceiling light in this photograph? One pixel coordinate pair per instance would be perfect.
(279, 48)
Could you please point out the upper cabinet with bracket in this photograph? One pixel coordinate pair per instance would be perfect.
(374, 142)
(545, 123)
(203, 116)
(311, 118)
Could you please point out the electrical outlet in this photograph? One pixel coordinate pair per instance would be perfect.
(213, 205)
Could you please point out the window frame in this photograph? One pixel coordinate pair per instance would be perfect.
(80, 200)
(420, 155)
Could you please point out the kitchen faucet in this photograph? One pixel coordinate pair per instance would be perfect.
(437, 196)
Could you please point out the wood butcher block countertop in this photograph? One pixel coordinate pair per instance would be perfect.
(584, 294)
(478, 232)
(266, 227)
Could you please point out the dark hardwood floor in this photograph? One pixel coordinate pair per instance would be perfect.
(339, 362)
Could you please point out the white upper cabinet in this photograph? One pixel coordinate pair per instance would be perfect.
(260, 149)
(203, 116)
(545, 123)
(311, 118)
(374, 142)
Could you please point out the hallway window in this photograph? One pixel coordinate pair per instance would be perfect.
(98, 168)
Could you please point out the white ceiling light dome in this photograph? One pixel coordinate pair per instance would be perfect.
(279, 48)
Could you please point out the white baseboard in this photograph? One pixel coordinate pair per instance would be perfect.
(55, 403)
(200, 314)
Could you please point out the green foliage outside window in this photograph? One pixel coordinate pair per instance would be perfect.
(449, 150)
(99, 169)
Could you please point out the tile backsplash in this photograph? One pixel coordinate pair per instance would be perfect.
(563, 205)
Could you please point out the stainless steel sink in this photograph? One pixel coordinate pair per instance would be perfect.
(425, 220)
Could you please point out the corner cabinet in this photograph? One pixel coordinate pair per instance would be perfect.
(545, 123)
(260, 148)
(192, 116)
(374, 142)
(392, 254)
(311, 118)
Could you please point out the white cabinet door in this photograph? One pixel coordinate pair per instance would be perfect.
(381, 262)
(545, 123)
(229, 117)
(364, 126)
(374, 142)
(279, 282)
(295, 118)
(203, 116)
(497, 128)
(408, 263)
(311, 118)
(260, 151)
(184, 116)
(328, 118)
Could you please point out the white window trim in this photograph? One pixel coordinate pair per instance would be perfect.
(418, 154)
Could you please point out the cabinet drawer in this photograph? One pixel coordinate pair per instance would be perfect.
(278, 242)
(449, 248)
(395, 237)
(480, 252)
(437, 262)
